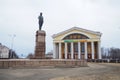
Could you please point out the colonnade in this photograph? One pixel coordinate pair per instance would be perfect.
(59, 50)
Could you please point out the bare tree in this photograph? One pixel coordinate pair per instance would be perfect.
(114, 53)
(30, 56)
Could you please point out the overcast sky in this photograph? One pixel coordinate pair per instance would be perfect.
(20, 17)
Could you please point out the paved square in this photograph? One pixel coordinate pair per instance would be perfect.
(95, 71)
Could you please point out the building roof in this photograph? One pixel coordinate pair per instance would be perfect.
(77, 28)
(3, 47)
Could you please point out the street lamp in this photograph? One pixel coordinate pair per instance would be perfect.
(12, 36)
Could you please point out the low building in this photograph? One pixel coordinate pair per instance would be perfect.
(4, 51)
(49, 55)
(77, 43)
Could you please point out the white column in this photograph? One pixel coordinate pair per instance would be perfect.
(54, 50)
(86, 50)
(65, 50)
(92, 46)
(99, 50)
(79, 51)
(71, 50)
(59, 50)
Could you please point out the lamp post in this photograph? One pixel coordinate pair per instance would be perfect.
(12, 36)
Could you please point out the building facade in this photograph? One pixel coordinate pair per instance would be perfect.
(4, 51)
(77, 43)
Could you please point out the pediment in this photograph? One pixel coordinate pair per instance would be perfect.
(76, 30)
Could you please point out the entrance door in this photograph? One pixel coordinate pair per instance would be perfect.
(89, 56)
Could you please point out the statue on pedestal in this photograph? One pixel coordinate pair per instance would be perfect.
(40, 21)
(40, 46)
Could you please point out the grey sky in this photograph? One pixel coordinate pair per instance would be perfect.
(20, 17)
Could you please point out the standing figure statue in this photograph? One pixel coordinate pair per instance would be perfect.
(40, 21)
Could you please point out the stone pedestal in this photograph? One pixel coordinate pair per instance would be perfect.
(40, 44)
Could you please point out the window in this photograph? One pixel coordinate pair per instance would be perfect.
(75, 47)
(69, 47)
(76, 36)
(82, 47)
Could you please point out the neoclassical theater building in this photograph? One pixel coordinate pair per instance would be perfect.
(77, 43)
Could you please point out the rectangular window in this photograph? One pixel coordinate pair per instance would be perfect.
(75, 47)
(69, 47)
(82, 47)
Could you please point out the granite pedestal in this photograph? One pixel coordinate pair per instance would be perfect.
(40, 44)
